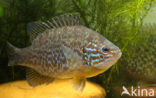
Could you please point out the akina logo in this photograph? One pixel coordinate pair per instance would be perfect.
(137, 91)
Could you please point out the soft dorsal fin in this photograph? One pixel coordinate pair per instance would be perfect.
(36, 28)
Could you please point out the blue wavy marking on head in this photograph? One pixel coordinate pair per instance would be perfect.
(95, 45)
(95, 60)
(90, 49)
(92, 55)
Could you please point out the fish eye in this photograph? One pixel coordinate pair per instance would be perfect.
(105, 49)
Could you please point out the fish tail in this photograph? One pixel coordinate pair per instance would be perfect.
(13, 54)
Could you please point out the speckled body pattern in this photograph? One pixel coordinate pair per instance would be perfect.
(70, 51)
(143, 64)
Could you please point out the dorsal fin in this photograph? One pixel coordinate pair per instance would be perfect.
(36, 28)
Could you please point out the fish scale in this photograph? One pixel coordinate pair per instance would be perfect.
(64, 49)
(57, 59)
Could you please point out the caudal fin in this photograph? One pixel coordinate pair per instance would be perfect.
(13, 55)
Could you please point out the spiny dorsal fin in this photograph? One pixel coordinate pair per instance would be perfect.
(37, 28)
(35, 79)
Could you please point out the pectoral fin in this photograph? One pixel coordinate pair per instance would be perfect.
(72, 56)
(78, 84)
(35, 79)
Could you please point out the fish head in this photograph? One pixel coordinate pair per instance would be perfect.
(101, 54)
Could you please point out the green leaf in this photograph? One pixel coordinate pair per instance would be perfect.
(1, 11)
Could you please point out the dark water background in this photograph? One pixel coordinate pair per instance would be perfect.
(120, 21)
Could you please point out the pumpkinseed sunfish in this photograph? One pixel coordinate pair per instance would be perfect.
(62, 48)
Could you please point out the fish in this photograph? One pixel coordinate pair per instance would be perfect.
(62, 48)
(142, 66)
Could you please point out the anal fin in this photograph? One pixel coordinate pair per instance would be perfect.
(35, 79)
(78, 84)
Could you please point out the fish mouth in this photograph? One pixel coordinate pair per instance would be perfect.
(118, 55)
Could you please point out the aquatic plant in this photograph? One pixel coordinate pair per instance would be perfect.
(120, 21)
(17, 14)
(1, 11)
